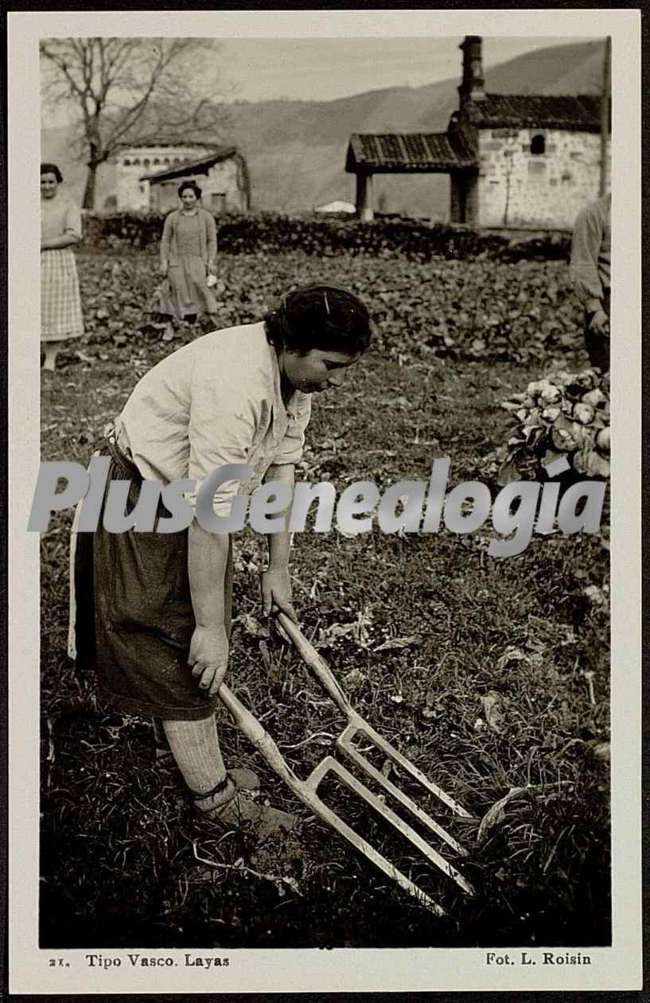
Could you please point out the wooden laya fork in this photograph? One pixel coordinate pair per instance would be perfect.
(356, 727)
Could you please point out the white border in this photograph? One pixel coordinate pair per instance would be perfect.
(267, 971)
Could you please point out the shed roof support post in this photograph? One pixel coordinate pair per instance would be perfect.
(472, 208)
(456, 199)
(365, 210)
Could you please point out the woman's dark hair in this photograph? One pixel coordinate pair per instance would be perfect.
(320, 316)
(193, 187)
(52, 169)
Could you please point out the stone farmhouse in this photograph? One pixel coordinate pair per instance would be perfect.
(148, 177)
(516, 161)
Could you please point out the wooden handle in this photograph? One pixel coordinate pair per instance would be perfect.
(316, 663)
(258, 736)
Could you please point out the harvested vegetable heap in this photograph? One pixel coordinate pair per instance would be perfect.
(564, 415)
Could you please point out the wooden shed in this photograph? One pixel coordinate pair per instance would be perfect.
(514, 160)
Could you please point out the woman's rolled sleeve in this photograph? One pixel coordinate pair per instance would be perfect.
(292, 445)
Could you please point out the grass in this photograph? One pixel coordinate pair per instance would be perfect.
(480, 679)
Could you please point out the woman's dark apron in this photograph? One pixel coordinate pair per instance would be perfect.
(597, 345)
(134, 620)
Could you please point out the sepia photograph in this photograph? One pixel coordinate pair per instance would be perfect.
(322, 499)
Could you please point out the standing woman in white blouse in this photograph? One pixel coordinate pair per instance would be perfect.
(61, 317)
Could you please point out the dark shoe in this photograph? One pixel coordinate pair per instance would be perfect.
(237, 809)
(265, 820)
(244, 779)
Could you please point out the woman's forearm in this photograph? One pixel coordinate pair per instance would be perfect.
(56, 243)
(280, 543)
(207, 561)
(212, 243)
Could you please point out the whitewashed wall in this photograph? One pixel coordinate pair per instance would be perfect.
(133, 194)
(517, 188)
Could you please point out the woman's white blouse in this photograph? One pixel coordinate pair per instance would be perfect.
(59, 215)
(213, 402)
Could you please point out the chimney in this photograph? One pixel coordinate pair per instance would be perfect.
(471, 88)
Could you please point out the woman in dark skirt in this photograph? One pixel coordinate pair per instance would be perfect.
(154, 615)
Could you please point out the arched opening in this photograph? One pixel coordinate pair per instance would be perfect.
(538, 144)
(127, 162)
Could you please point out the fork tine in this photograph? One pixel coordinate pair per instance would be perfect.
(360, 760)
(358, 724)
(310, 797)
(398, 823)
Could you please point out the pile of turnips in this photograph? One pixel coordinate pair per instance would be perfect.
(563, 415)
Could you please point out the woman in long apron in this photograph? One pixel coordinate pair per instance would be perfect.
(188, 252)
(61, 317)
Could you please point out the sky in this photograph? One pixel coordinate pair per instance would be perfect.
(323, 69)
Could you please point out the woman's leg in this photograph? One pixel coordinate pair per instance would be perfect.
(51, 351)
(195, 748)
(169, 333)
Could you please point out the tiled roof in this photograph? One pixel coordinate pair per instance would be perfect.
(543, 111)
(164, 141)
(194, 167)
(408, 152)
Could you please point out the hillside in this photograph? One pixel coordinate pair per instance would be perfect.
(296, 149)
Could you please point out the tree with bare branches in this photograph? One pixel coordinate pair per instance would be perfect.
(134, 90)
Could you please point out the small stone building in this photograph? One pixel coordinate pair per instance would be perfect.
(519, 161)
(132, 162)
(222, 175)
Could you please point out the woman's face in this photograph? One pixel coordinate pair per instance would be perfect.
(49, 185)
(317, 370)
(188, 198)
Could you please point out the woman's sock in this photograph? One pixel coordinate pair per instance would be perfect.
(195, 748)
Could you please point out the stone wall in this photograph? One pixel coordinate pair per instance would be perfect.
(518, 188)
